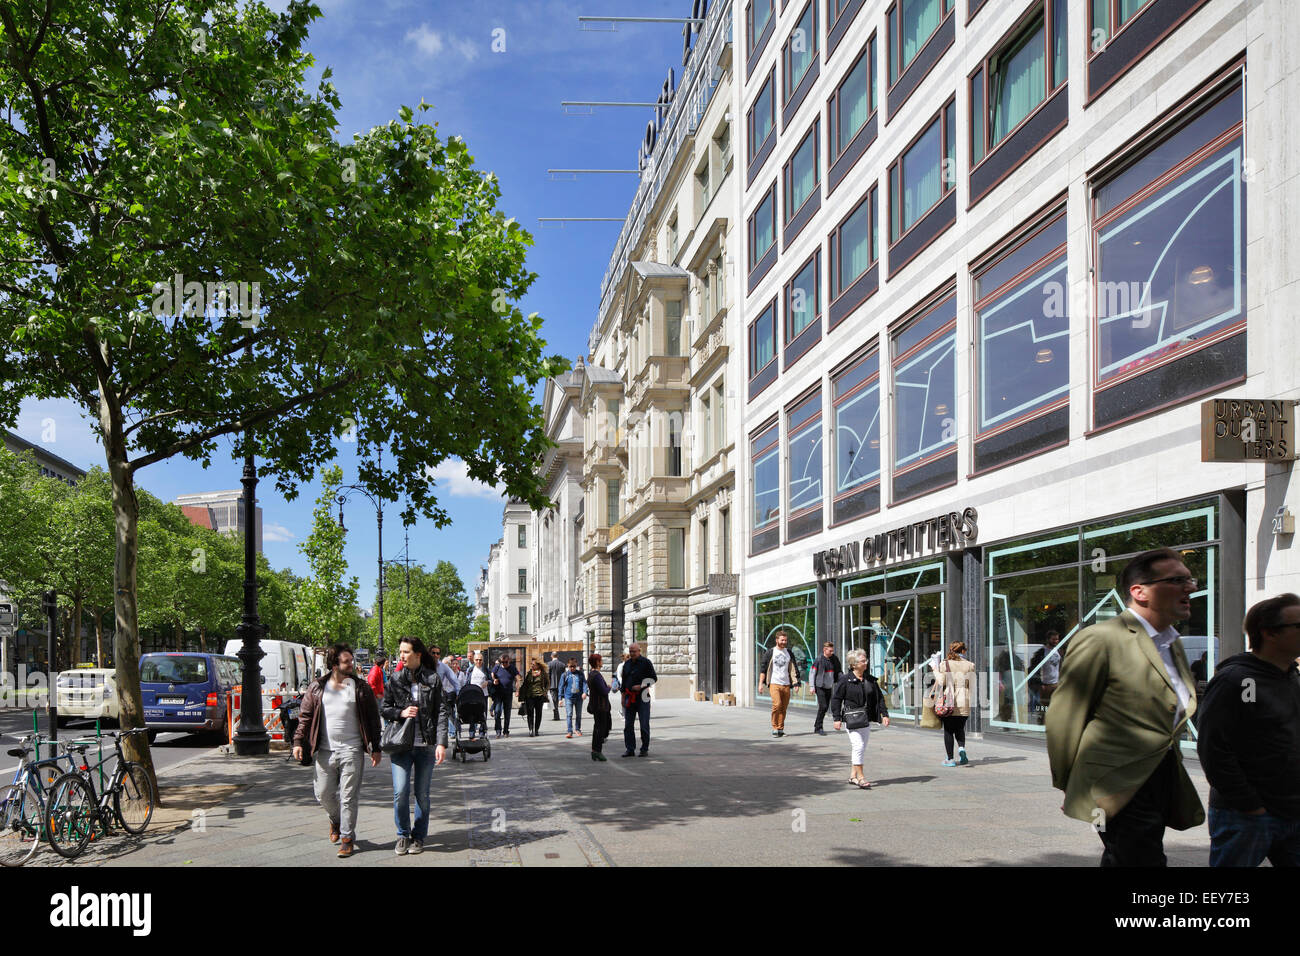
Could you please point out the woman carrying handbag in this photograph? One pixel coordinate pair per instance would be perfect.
(952, 692)
(857, 702)
(415, 740)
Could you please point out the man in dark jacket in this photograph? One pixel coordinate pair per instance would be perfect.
(504, 680)
(555, 672)
(638, 677)
(1249, 742)
(824, 675)
(338, 723)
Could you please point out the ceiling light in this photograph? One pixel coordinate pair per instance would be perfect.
(941, 409)
(1043, 357)
(1200, 275)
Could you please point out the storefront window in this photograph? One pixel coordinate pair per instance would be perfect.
(1033, 614)
(897, 617)
(794, 612)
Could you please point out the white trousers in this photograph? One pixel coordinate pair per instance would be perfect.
(859, 738)
(337, 785)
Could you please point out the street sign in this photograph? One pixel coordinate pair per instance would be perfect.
(1245, 429)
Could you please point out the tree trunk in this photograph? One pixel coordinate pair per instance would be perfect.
(180, 638)
(99, 636)
(203, 638)
(76, 633)
(126, 612)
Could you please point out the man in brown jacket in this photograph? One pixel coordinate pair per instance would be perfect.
(1123, 701)
(339, 722)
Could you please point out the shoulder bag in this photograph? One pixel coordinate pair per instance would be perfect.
(398, 736)
(945, 697)
(857, 718)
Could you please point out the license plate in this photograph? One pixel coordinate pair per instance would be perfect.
(171, 700)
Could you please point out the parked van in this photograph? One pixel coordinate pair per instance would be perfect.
(87, 692)
(285, 665)
(187, 691)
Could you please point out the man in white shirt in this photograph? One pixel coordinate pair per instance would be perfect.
(780, 672)
(339, 722)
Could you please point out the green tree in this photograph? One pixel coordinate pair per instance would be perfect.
(159, 159)
(326, 602)
(435, 610)
(481, 628)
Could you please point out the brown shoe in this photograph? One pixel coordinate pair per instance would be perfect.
(346, 849)
(334, 831)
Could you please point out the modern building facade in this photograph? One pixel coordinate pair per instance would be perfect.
(51, 465)
(219, 510)
(996, 256)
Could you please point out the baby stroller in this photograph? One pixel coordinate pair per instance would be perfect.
(471, 708)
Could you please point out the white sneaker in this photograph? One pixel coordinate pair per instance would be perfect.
(416, 847)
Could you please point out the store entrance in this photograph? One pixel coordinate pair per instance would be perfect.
(901, 631)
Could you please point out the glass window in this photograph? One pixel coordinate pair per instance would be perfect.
(1033, 614)
(761, 118)
(673, 327)
(726, 540)
(1171, 267)
(523, 580)
(762, 228)
(762, 340)
(801, 178)
(1023, 330)
(911, 24)
(1109, 15)
(853, 245)
(854, 100)
(856, 395)
(800, 49)
(757, 15)
(804, 476)
(676, 558)
(523, 536)
(523, 620)
(794, 612)
(924, 395)
(719, 415)
(1018, 78)
(766, 464)
(924, 174)
(675, 444)
(704, 551)
(706, 428)
(803, 298)
(612, 501)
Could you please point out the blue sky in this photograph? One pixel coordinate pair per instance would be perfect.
(506, 105)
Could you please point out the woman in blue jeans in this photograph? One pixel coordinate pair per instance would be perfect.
(416, 692)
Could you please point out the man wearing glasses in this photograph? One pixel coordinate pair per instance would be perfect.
(1122, 702)
(1249, 742)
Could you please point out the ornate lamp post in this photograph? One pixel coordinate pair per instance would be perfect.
(379, 521)
(251, 737)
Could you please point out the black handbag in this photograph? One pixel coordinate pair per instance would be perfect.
(398, 736)
(858, 718)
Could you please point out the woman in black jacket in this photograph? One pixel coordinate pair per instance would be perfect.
(416, 691)
(856, 702)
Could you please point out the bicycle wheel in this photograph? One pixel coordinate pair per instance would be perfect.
(70, 815)
(133, 797)
(21, 818)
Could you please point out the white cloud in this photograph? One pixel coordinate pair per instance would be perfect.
(428, 40)
(453, 477)
(276, 532)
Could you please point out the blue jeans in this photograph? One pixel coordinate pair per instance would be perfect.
(422, 758)
(573, 712)
(501, 710)
(1245, 839)
(641, 709)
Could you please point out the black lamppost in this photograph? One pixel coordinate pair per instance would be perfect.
(50, 605)
(251, 737)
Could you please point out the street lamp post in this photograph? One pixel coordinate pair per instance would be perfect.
(379, 522)
(251, 738)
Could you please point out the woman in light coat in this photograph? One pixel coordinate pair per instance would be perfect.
(958, 674)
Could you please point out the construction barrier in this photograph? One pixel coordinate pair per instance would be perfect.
(271, 701)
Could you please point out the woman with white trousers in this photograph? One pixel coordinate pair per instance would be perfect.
(857, 702)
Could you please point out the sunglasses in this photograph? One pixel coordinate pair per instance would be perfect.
(1182, 580)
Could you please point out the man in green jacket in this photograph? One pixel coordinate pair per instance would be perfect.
(1124, 697)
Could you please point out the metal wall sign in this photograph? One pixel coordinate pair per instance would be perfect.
(1246, 429)
(932, 535)
(724, 583)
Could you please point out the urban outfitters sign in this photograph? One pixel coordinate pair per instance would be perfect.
(1244, 429)
(940, 533)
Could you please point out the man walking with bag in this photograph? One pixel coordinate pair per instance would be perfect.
(338, 723)
(555, 674)
(638, 677)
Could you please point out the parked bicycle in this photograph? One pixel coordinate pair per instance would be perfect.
(22, 802)
(75, 812)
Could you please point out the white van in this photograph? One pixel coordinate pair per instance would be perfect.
(284, 664)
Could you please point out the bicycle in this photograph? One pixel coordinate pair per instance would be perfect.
(22, 802)
(74, 810)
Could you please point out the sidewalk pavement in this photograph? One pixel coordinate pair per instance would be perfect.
(716, 789)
